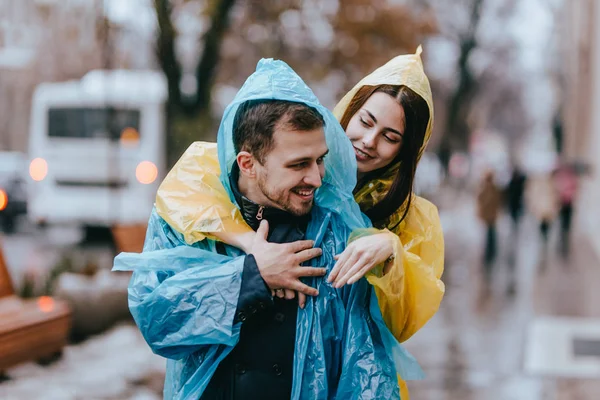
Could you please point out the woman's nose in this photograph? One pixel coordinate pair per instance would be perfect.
(369, 139)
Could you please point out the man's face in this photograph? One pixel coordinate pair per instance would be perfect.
(292, 169)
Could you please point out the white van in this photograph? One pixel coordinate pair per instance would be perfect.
(97, 148)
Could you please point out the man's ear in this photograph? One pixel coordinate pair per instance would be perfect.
(247, 164)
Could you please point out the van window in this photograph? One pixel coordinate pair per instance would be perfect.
(106, 123)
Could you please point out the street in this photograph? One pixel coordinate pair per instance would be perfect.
(478, 345)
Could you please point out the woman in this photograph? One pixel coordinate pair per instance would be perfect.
(388, 117)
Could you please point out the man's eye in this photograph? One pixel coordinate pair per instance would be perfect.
(320, 160)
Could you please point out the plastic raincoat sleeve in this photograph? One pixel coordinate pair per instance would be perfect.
(193, 200)
(183, 298)
(411, 291)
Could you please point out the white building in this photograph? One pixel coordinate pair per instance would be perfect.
(581, 102)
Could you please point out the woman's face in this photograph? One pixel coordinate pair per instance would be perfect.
(376, 132)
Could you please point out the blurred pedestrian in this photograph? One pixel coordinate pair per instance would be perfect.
(565, 180)
(515, 197)
(542, 201)
(515, 193)
(488, 205)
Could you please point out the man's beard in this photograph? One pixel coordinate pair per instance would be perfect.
(279, 198)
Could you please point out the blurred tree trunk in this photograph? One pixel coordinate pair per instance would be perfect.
(457, 129)
(190, 119)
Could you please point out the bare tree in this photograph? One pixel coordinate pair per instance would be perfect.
(190, 118)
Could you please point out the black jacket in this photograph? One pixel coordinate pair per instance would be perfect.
(261, 364)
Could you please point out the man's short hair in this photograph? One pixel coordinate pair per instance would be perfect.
(256, 120)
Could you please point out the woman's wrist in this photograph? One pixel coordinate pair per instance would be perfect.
(389, 262)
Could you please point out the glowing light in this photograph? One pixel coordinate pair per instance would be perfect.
(146, 172)
(130, 137)
(46, 304)
(38, 169)
(3, 200)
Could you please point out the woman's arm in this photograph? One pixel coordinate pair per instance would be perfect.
(242, 241)
(410, 293)
(194, 202)
(404, 267)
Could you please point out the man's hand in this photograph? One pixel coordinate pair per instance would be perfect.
(280, 265)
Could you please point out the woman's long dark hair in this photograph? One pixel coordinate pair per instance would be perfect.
(417, 117)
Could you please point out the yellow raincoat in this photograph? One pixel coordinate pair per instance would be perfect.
(192, 200)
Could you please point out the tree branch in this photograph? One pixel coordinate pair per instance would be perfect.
(205, 73)
(165, 50)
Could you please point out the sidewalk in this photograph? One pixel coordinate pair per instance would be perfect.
(478, 344)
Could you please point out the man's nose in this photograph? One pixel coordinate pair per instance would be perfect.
(315, 175)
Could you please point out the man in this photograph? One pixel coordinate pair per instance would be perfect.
(208, 308)
(280, 149)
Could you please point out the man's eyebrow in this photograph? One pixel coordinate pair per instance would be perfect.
(299, 160)
(386, 128)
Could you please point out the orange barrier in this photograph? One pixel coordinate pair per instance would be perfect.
(129, 238)
(32, 329)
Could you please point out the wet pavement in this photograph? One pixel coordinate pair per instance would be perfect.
(475, 347)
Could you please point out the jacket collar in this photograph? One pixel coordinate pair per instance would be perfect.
(253, 213)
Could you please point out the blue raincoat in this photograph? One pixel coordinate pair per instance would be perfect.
(184, 297)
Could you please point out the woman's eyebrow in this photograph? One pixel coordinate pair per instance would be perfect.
(386, 128)
(371, 115)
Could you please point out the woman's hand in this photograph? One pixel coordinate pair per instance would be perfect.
(360, 257)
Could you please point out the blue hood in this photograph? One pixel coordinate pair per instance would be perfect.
(275, 80)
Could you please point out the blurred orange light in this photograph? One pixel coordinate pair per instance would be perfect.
(146, 172)
(130, 136)
(38, 169)
(46, 304)
(3, 200)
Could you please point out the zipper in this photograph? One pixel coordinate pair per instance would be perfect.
(259, 214)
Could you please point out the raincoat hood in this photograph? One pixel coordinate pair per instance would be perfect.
(189, 182)
(405, 70)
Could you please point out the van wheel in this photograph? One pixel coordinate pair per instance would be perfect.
(8, 223)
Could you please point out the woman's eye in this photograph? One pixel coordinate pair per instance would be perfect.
(391, 140)
(365, 123)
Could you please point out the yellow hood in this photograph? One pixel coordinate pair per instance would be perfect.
(404, 70)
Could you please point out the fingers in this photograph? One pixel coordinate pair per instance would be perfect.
(300, 245)
(362, 272)
(302, 288)
(301, 300)
(353, 269)
(339, 265)
(263, 229)
(309, 254)
(289, 294)
(347, 260)
(308, 271)
(280, 293)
